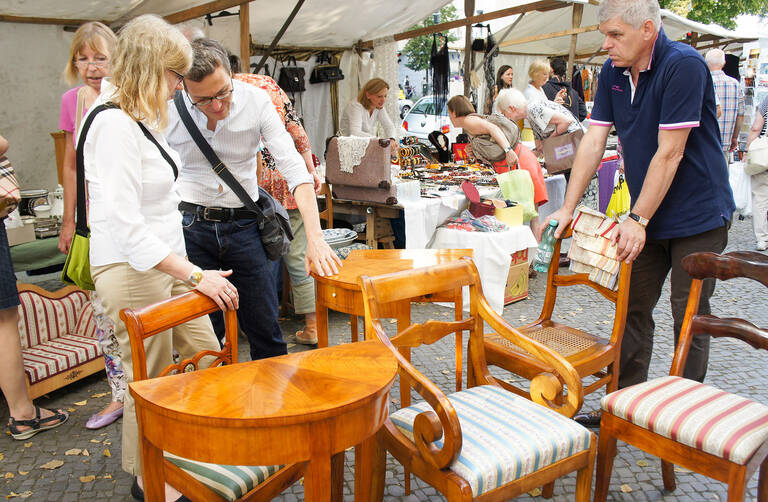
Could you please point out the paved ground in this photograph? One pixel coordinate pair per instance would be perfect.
(636, 476)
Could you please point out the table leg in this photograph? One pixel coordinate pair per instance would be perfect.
(337, 477)
(353, 328)
(321, 318)
(370, 228)
(370, 465)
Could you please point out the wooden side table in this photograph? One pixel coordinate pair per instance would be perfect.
(341, 292)
(307, 406)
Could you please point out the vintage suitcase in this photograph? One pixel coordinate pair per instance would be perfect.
(370, 180)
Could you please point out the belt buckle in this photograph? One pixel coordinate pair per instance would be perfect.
(218, 211)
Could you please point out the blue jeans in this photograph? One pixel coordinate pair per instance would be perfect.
(237, 246)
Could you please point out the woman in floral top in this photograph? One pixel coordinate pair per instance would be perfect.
(302, 286)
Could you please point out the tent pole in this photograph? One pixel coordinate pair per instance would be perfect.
(578, 11)
(469, 9)
(278, 36)
(245, 37)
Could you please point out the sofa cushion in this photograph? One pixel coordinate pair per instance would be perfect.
(42, 319)
(505, 436)
(229, 481)
(55, 356)
(694, 414)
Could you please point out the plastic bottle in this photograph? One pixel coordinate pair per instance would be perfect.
(546, 248)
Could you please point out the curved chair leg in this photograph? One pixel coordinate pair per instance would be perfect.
(548, 490)
(668, 475)
(606, 451)
(762, 482)
(584, 479)
(407, 481)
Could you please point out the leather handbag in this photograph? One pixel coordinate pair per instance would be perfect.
(291, 77)
(325, 70)
(10, 195)
(271, 217)
(757, 156)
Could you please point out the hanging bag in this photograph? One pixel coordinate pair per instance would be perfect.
(291, 77)
(325, 70)
(77, 267)
(620, 199)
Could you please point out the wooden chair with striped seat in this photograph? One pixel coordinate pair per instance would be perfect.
(209, 482)
(590, 355)
(483, 443)
(684, 422)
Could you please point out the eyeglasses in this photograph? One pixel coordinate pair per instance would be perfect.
(209, 99)
(179, 75)
(97, 64)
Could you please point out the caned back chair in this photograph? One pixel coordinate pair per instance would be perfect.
(200, 480)
(704, 429)
(588, 353)
(472, 444)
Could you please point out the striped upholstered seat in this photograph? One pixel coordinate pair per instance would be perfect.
(505, 436)
(694, 414)
(231, 482)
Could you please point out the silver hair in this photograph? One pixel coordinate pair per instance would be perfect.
(208, 55)
(632, 12)
(715, 58)
(510, 97)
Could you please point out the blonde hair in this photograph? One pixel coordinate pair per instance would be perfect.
(146, 48)
(373, 86)
(537, 66)
(98, 37)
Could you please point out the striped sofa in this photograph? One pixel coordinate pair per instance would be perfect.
(58, 337)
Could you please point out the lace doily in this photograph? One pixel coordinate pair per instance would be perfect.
(351, 152)
(385, 57)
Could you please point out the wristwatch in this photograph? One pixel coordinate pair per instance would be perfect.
(195, 276)
(642, 221)
(508, 149)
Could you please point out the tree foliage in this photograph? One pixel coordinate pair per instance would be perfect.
(719, 12)
(418, 50)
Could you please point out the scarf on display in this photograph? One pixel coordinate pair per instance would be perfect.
(441, 68)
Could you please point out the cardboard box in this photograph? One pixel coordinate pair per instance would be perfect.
(512, 216)
(20, 235)
(517, 278)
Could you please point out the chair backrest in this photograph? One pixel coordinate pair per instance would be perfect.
(326, 215)
(701, 266)
(47, 315)
(166, 314)
(555, 280)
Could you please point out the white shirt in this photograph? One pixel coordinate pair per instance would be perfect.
(252, 117)
(356, 121)
(132, 196)
(532, 94)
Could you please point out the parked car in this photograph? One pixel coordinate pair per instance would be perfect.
(422, 119)
(404, 105)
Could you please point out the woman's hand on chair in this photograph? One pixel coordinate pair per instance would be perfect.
(215, 285)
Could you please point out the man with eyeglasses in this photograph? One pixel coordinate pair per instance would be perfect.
(219, 231)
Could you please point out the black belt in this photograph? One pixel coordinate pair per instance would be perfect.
(217, 214)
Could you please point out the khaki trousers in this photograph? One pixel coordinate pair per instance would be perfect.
(120, 286)
(302, 285)
(759, 184)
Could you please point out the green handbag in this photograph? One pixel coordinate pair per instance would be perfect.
(77, 267)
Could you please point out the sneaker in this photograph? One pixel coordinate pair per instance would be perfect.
(762, 245)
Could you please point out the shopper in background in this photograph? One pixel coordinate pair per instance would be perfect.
(89, 60)
(760, 181)
(731, 100)
(559, 90)
(361, 117)
(538, 72)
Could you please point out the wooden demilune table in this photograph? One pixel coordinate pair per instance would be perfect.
(307, 406)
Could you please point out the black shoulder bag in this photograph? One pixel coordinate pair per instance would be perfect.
(325, 70)
(291, 77)
(271, 216)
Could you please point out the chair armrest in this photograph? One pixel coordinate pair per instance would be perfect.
(546, 388)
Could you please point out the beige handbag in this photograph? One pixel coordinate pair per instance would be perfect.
(560, 151)
(757, 156)
(592, 249)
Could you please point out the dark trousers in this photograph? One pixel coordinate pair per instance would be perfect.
(237, 246)
(649, 272)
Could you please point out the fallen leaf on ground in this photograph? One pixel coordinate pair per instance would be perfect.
(642, 463)
(107, 442)
(3, 456)
(53, 464)
(626, 488)
(71, 410)
(107, 453)
(73, 451)
(85, 452)
(392, 321)
(9, 475)
(23, 473)
(446, 372)
(22, 495)
(107, 476)
(27, 445)
(81, 403)
(100, 394)
(87, 479)
(95, 441)
(535, 492)
(681, 469)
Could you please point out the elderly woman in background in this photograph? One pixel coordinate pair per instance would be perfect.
(759, 181)
(361, 117)
(137, 251)
(546, 118)
(538, 72)
(89, 60)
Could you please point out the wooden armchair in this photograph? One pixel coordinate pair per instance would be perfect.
(208, 482)
(588, 353)
(696, 426)
(482, 443)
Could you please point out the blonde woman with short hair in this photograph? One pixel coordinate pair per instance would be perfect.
(361, 117)
(538, 72)
(137, 251)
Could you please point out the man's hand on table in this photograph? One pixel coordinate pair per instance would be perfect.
(320, 258)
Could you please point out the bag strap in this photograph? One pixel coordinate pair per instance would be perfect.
(79, 108)
(216, 164)
(165, 154)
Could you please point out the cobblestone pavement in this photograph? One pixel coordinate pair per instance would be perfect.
(636, 476)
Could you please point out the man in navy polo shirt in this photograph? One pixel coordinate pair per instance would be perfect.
(659, 96)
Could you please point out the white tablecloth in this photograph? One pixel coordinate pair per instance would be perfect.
(492, 252)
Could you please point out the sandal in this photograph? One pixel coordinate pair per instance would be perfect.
(36, 424)
(297, 338)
